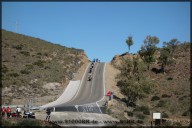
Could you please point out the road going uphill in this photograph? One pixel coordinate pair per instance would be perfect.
(89, 94)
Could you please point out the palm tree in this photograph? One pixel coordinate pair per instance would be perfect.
(129, 41)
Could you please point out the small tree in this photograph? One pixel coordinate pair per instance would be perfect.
(132, 90)
(129, 80)
(126, 69)
(129, 41)
(172, 44)
(166, 57)
(148, 49)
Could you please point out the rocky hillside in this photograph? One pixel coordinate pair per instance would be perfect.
(116, 61)
(34, 67)
(171, 91)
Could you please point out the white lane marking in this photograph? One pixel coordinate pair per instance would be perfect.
(90, 108)
(76, 106)
(80, 84)
(99, 107)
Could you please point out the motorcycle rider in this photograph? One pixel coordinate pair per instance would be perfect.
(90, 77)
(90, 70)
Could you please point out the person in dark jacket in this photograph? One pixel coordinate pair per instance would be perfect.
(48, 111)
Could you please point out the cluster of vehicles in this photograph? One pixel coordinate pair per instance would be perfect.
(17, 113)
(91, 69)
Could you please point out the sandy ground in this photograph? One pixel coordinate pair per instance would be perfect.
(110, 81)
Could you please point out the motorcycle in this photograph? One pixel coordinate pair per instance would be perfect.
(90, 70)
(89, 78)
(14, 114)
(29, 115)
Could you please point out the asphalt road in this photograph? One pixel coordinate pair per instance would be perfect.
(90, 92)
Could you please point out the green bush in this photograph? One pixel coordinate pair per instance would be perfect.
(165, 115)
(161, 103)
(39, 63)
(39, 53)
(13, 74)
(44, 94)
(130, 114)
(121, 83)
(147, 89)
(140, 116)
(108, 111)
(165, 96)
(155, 98)
(24, 72)
(137, 109)
(140, 122)
(169, 78)
(45, 54)
(47, 67)
(25, 53)
(29, 66)
(4, 69)
(182, 98)
(143, 109)
(177, 124)
(146, 112)
(186, 113)
(18, 47)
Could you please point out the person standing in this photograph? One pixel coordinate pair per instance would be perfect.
(18, 111)
(8, 112)
(48, 111)
(3, 111)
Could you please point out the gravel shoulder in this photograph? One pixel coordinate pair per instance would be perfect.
(110, 81)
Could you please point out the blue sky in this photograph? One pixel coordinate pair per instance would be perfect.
(99, 28)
